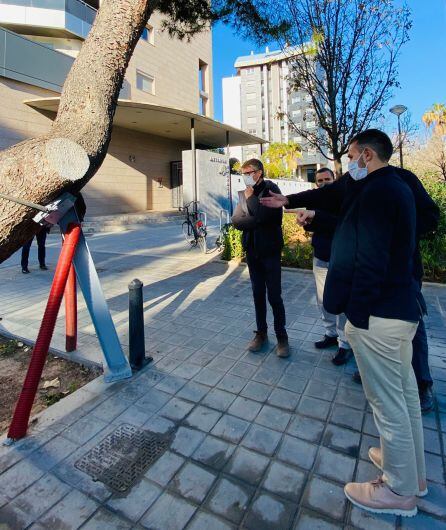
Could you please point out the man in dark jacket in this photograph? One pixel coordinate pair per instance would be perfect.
(329, 200)
(262, 241)
(323, 226)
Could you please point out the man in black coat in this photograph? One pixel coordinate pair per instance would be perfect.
(262, 241)
(329, 200)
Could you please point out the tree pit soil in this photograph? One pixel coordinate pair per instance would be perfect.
(66, 377)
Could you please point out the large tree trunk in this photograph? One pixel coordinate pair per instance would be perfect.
(338, 167)
(40, 169)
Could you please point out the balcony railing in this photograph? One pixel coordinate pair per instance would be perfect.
(77, 8)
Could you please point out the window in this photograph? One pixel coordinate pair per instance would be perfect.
(252, 131)
(251, 95)
(250, 71)
(295, 99)
(295, 113)
(202, 87)
(251, 108)
(308, 97)
(148, 34)
(252, 120)
(311, 124)
(145, 82)
(311, 151)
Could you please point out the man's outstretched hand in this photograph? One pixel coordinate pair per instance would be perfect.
(275, 200)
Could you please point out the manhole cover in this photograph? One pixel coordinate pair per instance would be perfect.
(123, 456)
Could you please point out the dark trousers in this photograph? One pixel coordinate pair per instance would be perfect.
(266, 279)
(41, 238)
(420, 362)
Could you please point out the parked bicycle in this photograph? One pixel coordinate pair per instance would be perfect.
(194, 227)
(225, 224)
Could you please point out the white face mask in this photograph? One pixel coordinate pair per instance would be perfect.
(249, 180)
(356, 172)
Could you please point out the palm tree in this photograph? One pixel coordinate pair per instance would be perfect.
(436, 117)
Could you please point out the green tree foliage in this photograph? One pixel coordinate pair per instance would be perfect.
(280, 160)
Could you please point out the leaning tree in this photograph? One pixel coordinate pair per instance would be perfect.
(347, 58)
(68, 156)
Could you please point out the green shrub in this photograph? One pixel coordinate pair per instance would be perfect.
(433, 248)
(232, 247)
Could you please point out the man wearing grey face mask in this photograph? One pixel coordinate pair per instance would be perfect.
(262, 241)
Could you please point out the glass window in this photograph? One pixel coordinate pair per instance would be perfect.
(252, 120)
(148, 34)
(251, 108)
(145, 82)
(251, 95)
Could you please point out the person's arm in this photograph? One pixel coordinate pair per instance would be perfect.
(261, 213)
(330, 198)
(428, 213)
(241, 221)
(374, 238)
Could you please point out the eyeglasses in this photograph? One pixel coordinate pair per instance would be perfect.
(250, 172)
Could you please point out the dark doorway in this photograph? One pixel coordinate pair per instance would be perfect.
(176, 183)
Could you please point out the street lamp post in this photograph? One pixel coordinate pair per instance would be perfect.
(398, 110)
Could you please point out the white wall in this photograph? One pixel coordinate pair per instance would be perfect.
(232, 114)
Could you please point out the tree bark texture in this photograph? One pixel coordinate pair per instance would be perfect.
(65, 159)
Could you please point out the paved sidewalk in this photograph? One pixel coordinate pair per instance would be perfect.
(259, 442)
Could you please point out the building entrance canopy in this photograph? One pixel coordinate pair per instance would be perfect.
(167, 122)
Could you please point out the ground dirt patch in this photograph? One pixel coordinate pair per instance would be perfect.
(60, 377)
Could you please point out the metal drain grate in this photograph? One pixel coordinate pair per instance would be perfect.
(123, 456)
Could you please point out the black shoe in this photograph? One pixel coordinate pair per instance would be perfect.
(43, 267)
(426, 399)
(357, 378)
(342, 356)
(326, 342)
(25, 270)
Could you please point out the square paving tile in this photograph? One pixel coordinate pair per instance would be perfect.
(165, 468)
(297, 452)
(284, 399)
(293, 383)
(230, 499)
(262, 439)
(218, 399)
(316, 408)
(168, 512)
(247, 466)
(193, 391)
(256, 391)
(203, 418)
(334, 465)
(326, 497)
(347, 417)
(285, 481)
(176, 409)
(341, 439)
(273, 418)
(230, 428)
(137, 501)
(311, 521)
(206, 521)
(232, 383)
(186, 441)
(245, 408)
(214, 452)
(192, 482)
(269, 513)
(306, 428)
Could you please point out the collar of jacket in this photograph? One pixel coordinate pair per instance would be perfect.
(259, 187)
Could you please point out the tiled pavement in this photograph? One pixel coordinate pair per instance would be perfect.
(260, 442)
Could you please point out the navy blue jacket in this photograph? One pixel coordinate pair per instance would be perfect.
(323, 227)
(371, 266)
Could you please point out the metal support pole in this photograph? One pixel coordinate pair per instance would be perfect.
(400, 141)
(261, 149)
(231, 210)
(71, 311)
(137, 347)
(194, 162)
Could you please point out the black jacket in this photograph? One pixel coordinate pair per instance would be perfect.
(371, 266)
(323, 227)
(261, 226)
(330, 198)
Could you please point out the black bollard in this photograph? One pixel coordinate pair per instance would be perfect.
(137, 347)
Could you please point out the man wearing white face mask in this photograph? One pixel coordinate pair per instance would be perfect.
(262, 241)
(371, 280)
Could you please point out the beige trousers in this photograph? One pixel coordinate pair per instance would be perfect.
(384, 357)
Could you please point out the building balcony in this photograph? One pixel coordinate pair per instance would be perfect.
(48, 18)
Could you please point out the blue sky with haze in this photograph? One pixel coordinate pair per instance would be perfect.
(422, 72)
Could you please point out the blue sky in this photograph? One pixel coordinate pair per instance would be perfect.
(422, 72)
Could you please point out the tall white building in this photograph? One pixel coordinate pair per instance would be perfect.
(254, 97)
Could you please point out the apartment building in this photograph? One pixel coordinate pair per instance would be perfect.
(167, 91)
(253, 98)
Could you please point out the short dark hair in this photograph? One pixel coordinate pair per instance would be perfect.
(324, 169)
(255, 163)
(376, 140)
